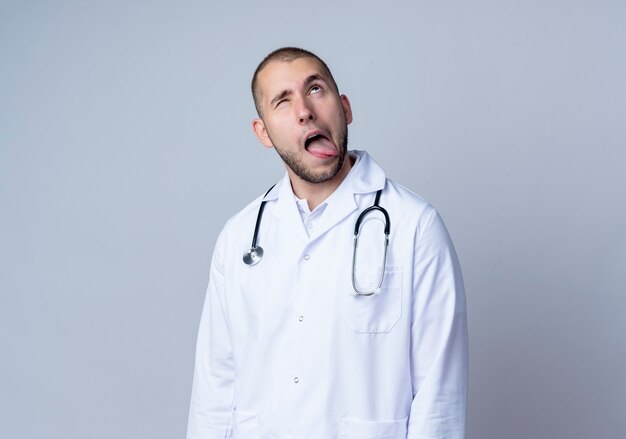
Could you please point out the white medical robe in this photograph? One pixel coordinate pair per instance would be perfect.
(287, 350)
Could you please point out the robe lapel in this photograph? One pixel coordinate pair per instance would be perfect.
(286, 210)
(340, 205)
(366, 176)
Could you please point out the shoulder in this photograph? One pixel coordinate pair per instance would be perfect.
(406, 203)
(244, 215)
(242, 222)
(236, 234)
(417, 224)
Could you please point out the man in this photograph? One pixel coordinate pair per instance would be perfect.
(292, 346)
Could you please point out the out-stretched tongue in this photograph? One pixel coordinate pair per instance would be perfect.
(321, 147)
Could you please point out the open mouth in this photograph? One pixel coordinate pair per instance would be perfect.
(320, 146)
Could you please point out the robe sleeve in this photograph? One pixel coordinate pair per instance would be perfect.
(212, 393)
(439, 340)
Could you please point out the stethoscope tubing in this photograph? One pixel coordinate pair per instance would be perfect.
(254, 255)
(357, 229)
(258, 218)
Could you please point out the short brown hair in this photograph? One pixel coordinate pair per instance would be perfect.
(286, 54)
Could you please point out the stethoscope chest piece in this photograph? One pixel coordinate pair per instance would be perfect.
(253, 256)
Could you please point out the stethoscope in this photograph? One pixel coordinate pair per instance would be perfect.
(255, 254)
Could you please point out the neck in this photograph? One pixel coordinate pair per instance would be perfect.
(316, 193)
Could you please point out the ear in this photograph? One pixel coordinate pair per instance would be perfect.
(347, 109)
(258, 126)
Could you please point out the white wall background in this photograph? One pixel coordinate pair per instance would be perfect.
(125, 145)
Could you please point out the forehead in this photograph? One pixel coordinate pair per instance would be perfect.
(278, 76)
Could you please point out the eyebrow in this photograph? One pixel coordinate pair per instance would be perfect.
(279, 96)
(312, 78)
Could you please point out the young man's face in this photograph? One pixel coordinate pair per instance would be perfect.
(303, 118)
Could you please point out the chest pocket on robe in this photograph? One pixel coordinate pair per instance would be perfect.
(377, 313)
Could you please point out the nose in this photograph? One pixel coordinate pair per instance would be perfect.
(305, 112)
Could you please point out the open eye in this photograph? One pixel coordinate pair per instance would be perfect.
(315, 89)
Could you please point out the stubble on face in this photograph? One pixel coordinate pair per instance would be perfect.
(293, 161)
